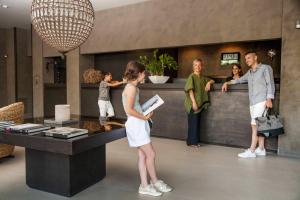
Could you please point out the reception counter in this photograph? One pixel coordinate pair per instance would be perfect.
(226, 122)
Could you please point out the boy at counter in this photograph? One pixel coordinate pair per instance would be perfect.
(105, 106)
(196, 100)
(261, 89)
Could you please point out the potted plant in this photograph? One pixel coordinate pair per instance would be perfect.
(157, 64)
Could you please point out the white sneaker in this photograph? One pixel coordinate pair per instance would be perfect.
(247, 154)
(260, 152)
(149, 190)
(162, 187)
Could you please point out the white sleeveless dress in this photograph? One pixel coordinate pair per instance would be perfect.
(137, 130)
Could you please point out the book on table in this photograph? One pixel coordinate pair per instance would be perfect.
(53, 122)
(65, 132)
(28, 128)
(6, 124)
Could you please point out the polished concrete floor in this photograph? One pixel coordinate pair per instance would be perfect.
(211, 172)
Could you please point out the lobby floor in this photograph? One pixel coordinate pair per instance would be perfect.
(211, 172)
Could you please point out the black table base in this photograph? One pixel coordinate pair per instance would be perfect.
(62, 174)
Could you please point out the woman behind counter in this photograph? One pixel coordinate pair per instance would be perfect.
(236, 71)
(196, 100)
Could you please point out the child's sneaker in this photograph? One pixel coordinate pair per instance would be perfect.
(149, 190)
(247, 154)
(260, 152)
(162, 187)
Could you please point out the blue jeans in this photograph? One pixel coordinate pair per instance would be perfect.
(193, 137)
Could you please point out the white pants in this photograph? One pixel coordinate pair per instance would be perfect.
(257, 110)
(105, 107)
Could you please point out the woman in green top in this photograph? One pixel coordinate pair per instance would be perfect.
(196, 90)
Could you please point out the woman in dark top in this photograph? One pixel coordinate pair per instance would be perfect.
(236, 71)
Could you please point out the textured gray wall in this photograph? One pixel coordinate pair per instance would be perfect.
(10, 66)
(38, 78)
(24, 71)
(73, 81)
(172, 23)
(211, 55)
(3, 85)
(289, 144)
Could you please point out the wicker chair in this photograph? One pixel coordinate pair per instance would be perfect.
(13, 112)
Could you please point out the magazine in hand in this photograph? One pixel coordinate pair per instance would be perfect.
(152, 104)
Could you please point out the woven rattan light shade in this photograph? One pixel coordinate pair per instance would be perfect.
(63, 24)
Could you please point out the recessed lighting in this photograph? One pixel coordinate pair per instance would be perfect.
(4, 6)
(298, 24)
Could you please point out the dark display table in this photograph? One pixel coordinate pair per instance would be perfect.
(65, 166)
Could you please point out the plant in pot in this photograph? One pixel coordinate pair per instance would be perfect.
(157, 64)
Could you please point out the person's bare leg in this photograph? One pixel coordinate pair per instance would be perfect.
(254, 139)
(142, 167)
(261, 142)
(150, 161)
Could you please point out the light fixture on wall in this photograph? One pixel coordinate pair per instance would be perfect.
(298, 24)
(271, 54)
(63, 24)
(3, 5)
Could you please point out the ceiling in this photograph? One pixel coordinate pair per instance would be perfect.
(18, 12)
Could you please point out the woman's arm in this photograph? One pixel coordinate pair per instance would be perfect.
(208, 85)
(130, 97)
(192, 97)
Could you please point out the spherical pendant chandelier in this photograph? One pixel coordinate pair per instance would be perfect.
(63, 24)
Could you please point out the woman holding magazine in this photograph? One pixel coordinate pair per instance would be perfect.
(138, 131)
(196, 100)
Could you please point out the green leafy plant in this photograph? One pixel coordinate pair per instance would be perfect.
(157, 64)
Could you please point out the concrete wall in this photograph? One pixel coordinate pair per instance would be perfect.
(211, 55)
(10, 66)
(24, 71)
(73, 81)
(16, 69)
(37, 73)
(289, 144)
(49, 51)
(3, 78)
(172, 23)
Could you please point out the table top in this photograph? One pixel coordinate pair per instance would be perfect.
(96, 136)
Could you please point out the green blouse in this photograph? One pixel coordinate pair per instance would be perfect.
(197, 84)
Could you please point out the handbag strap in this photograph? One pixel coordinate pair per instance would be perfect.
(269, 111)
(266, 112)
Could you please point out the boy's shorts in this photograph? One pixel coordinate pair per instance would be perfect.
(105, 107)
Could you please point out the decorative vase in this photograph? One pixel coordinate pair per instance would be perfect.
(159, 79)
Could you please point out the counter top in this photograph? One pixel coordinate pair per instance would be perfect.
(178, 86)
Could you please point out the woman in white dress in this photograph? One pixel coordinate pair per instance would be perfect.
(138, 131)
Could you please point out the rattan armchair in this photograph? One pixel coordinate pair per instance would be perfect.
(13, 112)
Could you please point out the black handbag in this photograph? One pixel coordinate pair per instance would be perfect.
(150, 122)
(269, 125)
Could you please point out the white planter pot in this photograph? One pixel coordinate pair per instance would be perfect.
(158, 79)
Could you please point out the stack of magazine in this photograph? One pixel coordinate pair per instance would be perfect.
(65, 132)
(28, 128)
(52, 122)
(5, 125)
